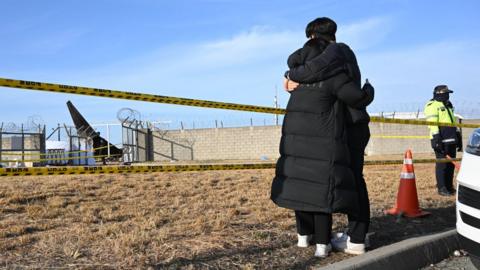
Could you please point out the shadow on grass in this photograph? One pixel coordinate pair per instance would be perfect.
(233, 257)
(282, 253)
(390, 229)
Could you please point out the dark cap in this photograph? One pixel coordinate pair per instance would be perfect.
(441, 89)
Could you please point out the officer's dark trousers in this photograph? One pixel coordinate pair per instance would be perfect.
(444, 171)
(358, 223)
(314, 223)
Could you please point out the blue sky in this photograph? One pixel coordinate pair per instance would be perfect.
(226, 50)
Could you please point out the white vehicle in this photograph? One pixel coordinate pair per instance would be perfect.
(468, 199)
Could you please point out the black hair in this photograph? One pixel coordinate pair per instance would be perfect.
(321, 28)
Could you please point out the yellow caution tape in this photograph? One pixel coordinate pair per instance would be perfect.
(69, 89)
(54, 159)
(399, 137)
(415, 161)
(80, 90)
(127, 169)
(167, 168)
(19, 153)
(376, 119)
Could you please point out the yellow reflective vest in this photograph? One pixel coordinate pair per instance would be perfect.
(436, 111)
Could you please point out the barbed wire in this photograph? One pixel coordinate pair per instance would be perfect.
(128, 115)
(467, 109)
(34, 123)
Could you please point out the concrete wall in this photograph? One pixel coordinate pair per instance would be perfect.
(218, 143)
(260, 142)
(394, 139)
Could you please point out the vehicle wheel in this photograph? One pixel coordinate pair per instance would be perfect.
(475, 261)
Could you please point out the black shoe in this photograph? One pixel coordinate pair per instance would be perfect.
(443, 191)
(452, 190)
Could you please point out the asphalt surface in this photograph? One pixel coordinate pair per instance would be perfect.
(453, 263)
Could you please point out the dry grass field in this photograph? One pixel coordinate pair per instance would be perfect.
(190, 220)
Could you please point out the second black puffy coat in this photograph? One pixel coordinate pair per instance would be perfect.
(313, 172)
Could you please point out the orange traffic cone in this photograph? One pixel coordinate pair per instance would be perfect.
(407, 199)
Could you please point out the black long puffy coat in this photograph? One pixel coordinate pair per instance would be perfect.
(313, 172)
(339, 58)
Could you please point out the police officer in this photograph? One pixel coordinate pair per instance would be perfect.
(445, 140)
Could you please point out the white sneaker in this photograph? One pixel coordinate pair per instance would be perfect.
(344, 236)
(343, 244)
(304, 240)
(322, 250)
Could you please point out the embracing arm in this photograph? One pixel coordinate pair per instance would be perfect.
(355, 97)
(319, 67)
(295, 59)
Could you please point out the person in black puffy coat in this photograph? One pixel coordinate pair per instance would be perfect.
(314, 174)
(337, 58)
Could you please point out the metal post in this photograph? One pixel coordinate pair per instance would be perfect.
(43, 145)
(23, 145)
(58, 131)
(150, 148)
(136, 143)
(79, 149)
(171, 150)
(129, 150)
(70, 161)
(123, 143)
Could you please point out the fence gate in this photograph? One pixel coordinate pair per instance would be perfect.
(137, 142)
(80, 146)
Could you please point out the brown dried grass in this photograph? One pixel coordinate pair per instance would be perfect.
(191, 220)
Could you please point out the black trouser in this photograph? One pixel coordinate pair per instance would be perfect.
(315, 223)
(358, 223)
(444, 171)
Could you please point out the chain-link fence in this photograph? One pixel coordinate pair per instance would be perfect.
(21, 145)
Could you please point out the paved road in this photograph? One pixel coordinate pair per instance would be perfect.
(453, 263)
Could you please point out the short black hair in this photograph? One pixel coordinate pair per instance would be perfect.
(321, 27)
